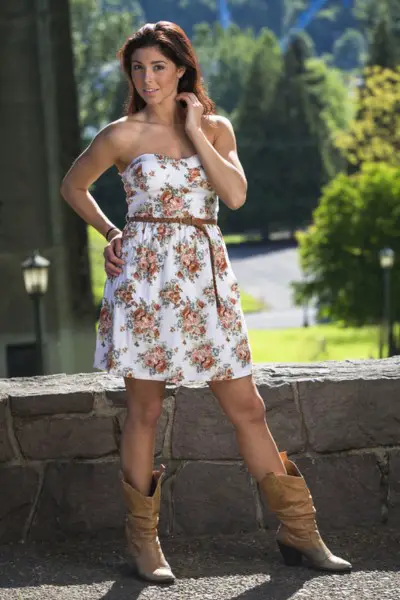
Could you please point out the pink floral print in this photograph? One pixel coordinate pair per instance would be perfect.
(159, 318)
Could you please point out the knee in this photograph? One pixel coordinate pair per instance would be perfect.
(145, 412)
(251, 410)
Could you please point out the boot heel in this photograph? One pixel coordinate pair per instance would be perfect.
(291, 556)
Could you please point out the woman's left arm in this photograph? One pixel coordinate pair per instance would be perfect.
(220, 161)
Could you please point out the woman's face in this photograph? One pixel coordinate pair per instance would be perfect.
(154, 76)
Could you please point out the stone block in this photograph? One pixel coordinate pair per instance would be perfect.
(275, 396)
(346, 490)
(79, 498)
(342, 415)
(394, 488)
(283, 417)
(286, 427)
(210, 498)
(18, 487)
(6, 451)
(69, 437)
(117, 398)
(165, 524)
(200, 429)
(26, 405)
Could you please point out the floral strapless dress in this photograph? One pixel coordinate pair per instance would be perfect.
(159, 318)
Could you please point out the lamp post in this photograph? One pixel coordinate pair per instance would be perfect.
(306, 321)
(35, 270)
(386, 259)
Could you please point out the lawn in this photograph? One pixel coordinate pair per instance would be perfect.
(98, 276)
(310, 344)
(240, 238)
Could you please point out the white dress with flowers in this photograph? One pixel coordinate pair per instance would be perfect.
(159, 318)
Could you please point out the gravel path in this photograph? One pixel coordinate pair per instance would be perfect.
(222, 568)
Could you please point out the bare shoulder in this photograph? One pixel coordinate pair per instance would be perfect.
(220, 121)
(122, 137)
(120, 132)
(220, 124)
(110, 146)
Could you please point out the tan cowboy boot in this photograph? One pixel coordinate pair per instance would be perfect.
(141, 531)
(289, 498)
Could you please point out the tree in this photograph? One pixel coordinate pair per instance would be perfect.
(349, 50)
(285, 146)
(330, 94)
(384, 51)
(297, 142)
(374, 135)
(370, 12)
(99, 29)
(259, 92)
(225, 57)
(235, 52)
(358, 215)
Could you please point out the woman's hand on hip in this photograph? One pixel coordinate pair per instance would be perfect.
(112, 254)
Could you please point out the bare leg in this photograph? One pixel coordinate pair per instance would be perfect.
(286, 492)
(244, 407)
(145, 399)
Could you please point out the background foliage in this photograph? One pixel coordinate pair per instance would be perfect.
(316, 113)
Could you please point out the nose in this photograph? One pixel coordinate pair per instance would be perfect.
(148, 76)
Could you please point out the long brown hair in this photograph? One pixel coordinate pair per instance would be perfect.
(176, 46)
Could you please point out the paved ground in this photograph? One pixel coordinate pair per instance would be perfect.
(280, 319)
(244, 567)
(266, 272)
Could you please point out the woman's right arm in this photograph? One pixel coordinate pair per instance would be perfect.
(99, 156)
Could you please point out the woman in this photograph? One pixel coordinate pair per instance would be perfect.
(171, 309)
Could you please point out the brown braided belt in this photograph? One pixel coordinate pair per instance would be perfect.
(193, 222)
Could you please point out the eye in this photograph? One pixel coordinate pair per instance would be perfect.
(159, 67)
(136, 67)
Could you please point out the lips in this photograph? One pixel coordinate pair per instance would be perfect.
(150, 91)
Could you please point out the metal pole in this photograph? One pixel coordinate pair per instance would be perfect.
(36, 299)
(391, 344)
(305, 315)
(387, 307)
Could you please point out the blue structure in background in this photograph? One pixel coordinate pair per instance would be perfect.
(224, 14)
(306, 17)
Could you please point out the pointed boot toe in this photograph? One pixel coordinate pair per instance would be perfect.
(289, 498)
(329, 563)
(159, 575)
(144, 548)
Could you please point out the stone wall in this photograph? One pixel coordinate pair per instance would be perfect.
(59, 438)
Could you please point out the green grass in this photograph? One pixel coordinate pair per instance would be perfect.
(311, 344)
(96, 260)
(251, 304)
(240, 238)
(98, 276)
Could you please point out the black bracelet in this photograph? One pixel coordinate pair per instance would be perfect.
(111, 229)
